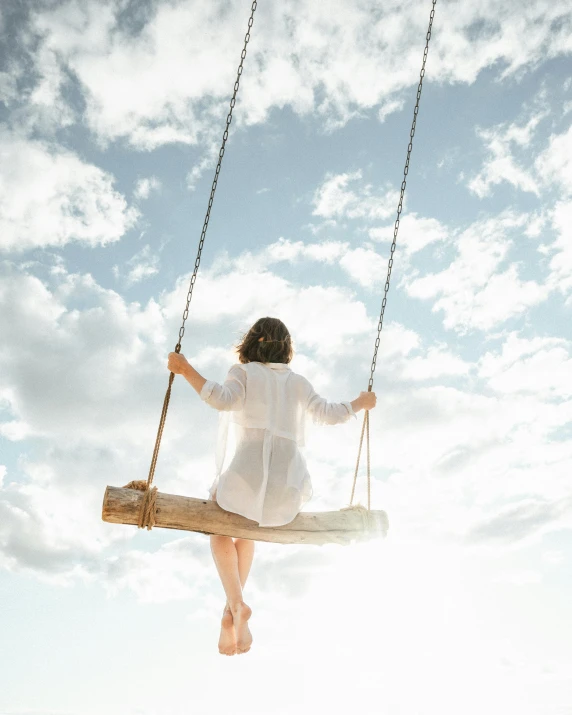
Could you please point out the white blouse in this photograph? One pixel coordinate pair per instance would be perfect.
(267, 479)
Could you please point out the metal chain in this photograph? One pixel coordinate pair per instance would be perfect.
(200, 249)
(402, 194)
(215, 180)
(395, 230)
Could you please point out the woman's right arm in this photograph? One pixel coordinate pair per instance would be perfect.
(229, 396)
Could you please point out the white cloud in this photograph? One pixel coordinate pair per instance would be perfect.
(439, 361)
(134, 86)
(46, 107)
(523, 577)
(533, 170)
(146, 186)
(554, 165)
(501, 165)
(536, 365)
(390, 106)
(321, 318)
(177, 570)
(82, 372)
(50, 197)
(336, 199)
(142, 264)
(292, 251)
(525, 519)
(415, 233)
(474, 291)
(561, 262)
(551, 168)
(8, 87)
(107, 331)
(365, 266)
(106, 359)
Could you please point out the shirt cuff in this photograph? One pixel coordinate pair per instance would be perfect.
(350, 409)
(207, 389)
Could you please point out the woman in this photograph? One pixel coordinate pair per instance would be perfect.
(267, 480)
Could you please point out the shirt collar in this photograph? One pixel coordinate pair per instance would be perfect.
(277, 365)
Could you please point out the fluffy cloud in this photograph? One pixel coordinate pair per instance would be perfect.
(145, 187)
(322, 319)
(475, 290)
(299, 57)
(81, 374)
(528, 518)
(540, 171)
(537, 365)
(50, 197)
(365, 266)
(415, 233)
(143, 264)
(531, 171)
(438, 362)
(500, 165)
(555, 164)
(336, 199)
(561, 261)
(174, 571)
(90, 396)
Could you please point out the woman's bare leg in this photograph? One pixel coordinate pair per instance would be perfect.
(245, 552)
(226, 558)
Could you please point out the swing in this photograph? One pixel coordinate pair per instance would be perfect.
(139, 503)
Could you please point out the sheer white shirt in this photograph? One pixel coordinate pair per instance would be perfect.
(267, 479)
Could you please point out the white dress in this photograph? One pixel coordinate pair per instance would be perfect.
(267, 479)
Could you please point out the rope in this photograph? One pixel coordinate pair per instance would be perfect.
(147, 508)
(148, 503)
(371, 521)
(393, 245)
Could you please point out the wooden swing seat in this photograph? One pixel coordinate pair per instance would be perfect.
(356, 523)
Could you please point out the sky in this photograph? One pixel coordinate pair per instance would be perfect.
(111, 115)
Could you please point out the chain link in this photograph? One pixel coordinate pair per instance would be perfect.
(365, 426)
(216, 177)
(401, 196)
(148, 493)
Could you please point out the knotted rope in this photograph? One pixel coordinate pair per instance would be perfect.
(365, 428)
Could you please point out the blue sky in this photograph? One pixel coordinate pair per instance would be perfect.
(110, 118)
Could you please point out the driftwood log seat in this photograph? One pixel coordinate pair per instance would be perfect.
(356, 523)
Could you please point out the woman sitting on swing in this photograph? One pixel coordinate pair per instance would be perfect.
(267, 480)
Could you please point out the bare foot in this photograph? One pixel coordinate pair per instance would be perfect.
(227, 640)
(241, 613)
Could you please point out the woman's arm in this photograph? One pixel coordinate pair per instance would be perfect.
(180, 366)
(333, 413)
(365, 401)
(230, 396)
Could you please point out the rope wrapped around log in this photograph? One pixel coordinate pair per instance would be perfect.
(147, 512)
(344, 526)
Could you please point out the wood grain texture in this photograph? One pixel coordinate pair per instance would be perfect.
(121, 506)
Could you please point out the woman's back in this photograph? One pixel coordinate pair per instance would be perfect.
(267, 480)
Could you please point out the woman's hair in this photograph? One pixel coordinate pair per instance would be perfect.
(268, 340)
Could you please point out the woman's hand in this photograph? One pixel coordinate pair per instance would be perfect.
(365, 401)
(177, 363)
